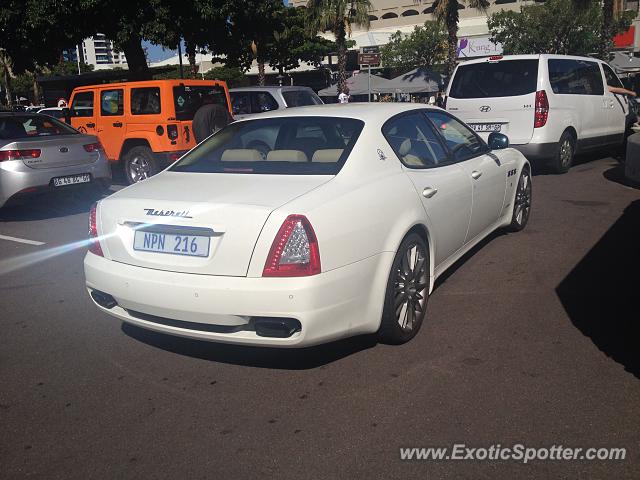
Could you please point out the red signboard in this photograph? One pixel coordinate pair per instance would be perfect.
(625, 39)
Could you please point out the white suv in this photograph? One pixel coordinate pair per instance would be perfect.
(550, 106)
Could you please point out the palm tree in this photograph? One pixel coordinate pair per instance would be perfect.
(446, 12)
(339, 16)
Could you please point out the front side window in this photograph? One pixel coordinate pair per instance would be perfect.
(300, 98)
(241, 103)
(278, 146)
(145, 101)
(111, 103)
(611, 77)
(575, 77)
(414, 141)
(463, 143)
(506, 78)
(189, 98)
(29, 126)
(82, 105)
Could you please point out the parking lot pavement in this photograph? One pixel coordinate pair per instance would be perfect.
(530, 339)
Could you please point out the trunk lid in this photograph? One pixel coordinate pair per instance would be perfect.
(496, 95)
(57, 151)
(230, 209)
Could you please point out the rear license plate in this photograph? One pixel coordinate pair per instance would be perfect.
(71, 180)
(190, 245)
(485, 127)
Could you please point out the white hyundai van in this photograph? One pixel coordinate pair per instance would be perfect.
(550, 106)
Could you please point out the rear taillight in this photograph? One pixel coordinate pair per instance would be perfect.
(294, 252)
(93, 147)
(542, 109)
(94, 242)
(18, 154)
(172, 132)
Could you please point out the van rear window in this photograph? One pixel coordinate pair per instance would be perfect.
(188, 99)
(507, 78)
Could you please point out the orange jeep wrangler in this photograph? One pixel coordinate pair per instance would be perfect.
(144, 125)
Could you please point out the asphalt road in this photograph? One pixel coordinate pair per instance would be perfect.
(531, 339)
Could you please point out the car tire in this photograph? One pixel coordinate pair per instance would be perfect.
(407, 292)
(566, 152)
(521, 202)
(139, 164)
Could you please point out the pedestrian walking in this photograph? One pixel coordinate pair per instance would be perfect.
(209, 118)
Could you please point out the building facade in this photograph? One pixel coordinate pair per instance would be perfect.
(101, 53)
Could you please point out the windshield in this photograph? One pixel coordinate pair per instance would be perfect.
(300, 98)
(188, 99)
(30, 126)
(279, 146)
(507, 78)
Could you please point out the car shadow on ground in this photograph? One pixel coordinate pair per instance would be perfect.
(260, 357)
(616, 174)
(49, 205)
(600, 294)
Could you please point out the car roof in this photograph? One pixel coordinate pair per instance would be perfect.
(499, 58)
(152, 83)
(268, 88)
(368, 112)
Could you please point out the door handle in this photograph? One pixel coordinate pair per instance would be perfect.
(429, 192)
(117, 124)
(476, 174)
(91, 125)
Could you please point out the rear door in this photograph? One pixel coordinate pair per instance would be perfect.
(442, 186)
(82, 111)
(496, 95)
(110, 121)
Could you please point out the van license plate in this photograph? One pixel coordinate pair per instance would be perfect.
(71, 180)
(189, 245)
(485, 127)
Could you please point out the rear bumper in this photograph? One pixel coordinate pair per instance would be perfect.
(164, 159)
(16, 177)
(332, 305)
(538, 151)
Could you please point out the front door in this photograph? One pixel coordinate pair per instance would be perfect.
(484, 170)
(83, 115)
(618, 106)
(110, 122)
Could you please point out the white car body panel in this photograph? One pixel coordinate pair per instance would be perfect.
(360, 216)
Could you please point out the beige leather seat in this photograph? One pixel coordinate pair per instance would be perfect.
(286, 156)
(241, 155)
(408, 158)
(328, 155)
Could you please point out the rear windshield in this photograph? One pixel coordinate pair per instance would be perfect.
(300, 98)
(279, 146)
(30, 126)
(188, 99)
(507, 78)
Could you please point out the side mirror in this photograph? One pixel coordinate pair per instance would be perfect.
(498, 141)
(66, 113)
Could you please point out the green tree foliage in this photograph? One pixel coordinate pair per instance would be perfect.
(338, 16)
(425, 46)
(446, 12)
(233, 76)
(553, 27)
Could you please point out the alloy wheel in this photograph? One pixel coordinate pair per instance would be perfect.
(566, 152)
(523, 198)
(410, 287)
(139, 169)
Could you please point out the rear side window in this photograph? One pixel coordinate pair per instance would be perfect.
(241, 102)
(575, 77)
(612, 78)
(278, 146)
(507, 78)
(30, 126)
(264, 102)
(414, 141)
(189, 98)
(82, 105)
(145, 101)
(300, 98)
(111, 103)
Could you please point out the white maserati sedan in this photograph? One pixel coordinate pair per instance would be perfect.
(341, 229)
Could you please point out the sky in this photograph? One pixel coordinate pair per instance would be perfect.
(157, 53)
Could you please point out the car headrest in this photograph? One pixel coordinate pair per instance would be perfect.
(286, 156)
(405, 147)
(241, 155)
(329, 155)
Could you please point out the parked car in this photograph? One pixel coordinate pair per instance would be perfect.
(55, 112)
(143, 125)
(341, 230)
(39, 153)
(248, 101)
(550, 106)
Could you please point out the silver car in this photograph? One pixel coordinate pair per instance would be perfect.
(39, 153)
(248, 101)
